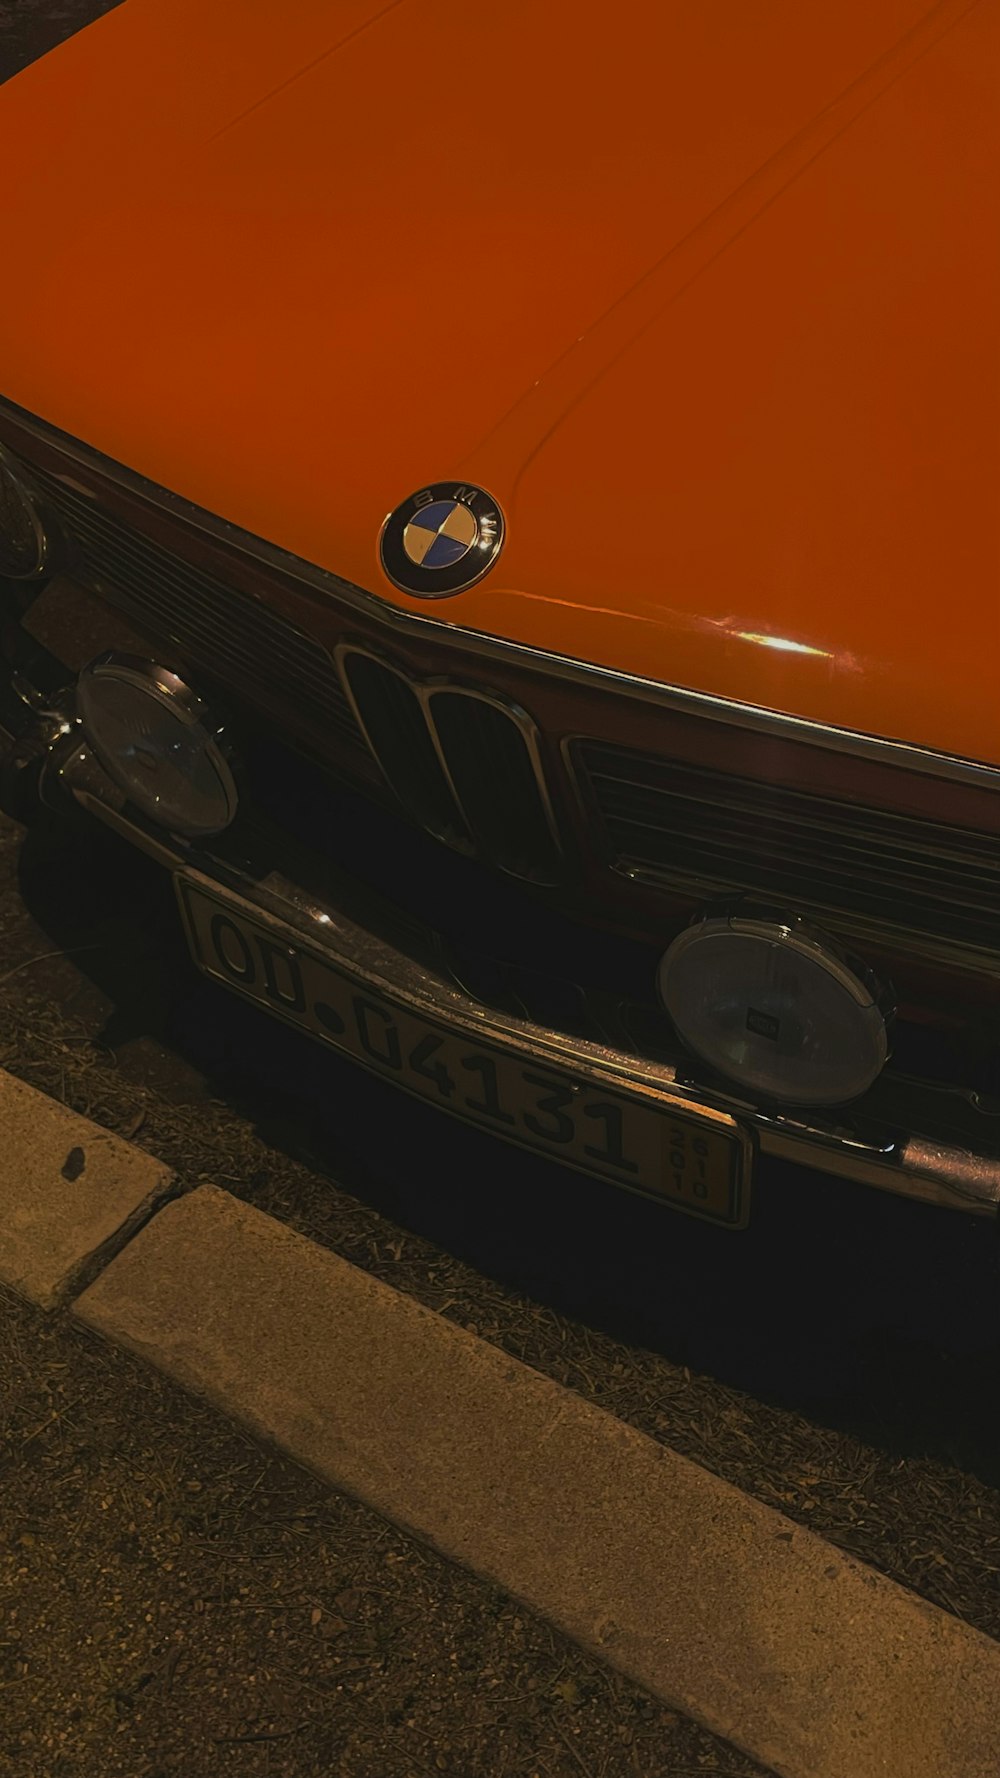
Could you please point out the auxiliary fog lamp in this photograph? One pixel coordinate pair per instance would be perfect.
(776, 1006)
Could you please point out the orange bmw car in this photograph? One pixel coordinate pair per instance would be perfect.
(502, 503)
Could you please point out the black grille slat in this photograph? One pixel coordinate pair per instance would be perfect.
(494, 777)
(126, 565)
(893, 834)
(665, 823)
(823, 888)
(488, 799)
(768, 843)
(401, 742)
(225, 632)
(163, 600)
(795, 845)
(215, 647)
(673, 825)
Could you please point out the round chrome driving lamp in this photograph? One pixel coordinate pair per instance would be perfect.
(24, 542)
(158, 741)
(776, 1006)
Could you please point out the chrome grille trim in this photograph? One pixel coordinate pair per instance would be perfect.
(19, 513)
(906, 755)
(501, 809)
(220, 629)
(421, 736)
(675, 826)
(494, 765)
(392, 716)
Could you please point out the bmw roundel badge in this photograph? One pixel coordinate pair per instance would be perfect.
(441, 540)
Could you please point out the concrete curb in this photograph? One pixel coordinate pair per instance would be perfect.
(71, 1194)
(816, 1665)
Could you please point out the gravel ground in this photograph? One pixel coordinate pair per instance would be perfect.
(174, 1603)
(840, 1359)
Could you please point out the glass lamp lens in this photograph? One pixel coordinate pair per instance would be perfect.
(781, 1016)
(166, 763)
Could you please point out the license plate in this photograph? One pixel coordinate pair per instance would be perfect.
(696, 1160)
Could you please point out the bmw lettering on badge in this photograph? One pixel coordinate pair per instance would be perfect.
(696, 1161)
(442, 540)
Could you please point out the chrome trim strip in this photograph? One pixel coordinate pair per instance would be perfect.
(14, 470)
(522, 720)
(342, 653)
(904, 754)
(911, 1166)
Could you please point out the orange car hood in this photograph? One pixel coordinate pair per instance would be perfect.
(706, 296)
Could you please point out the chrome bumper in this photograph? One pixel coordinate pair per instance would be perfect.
(908, 1165)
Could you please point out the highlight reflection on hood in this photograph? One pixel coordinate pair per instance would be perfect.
(784, 643)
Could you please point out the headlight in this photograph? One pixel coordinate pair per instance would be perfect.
(776, 1006)
(156, 739)
(24, 546)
